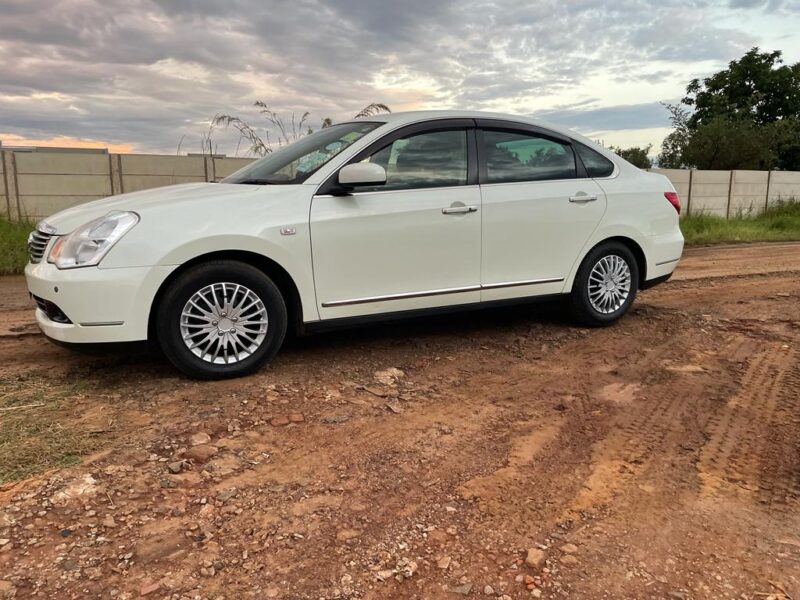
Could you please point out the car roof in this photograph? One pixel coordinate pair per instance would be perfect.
(416, 116)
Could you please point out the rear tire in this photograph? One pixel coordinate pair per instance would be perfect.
(221, 319)
(605, 286)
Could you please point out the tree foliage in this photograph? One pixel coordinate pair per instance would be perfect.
(744, 117)
(636, 155)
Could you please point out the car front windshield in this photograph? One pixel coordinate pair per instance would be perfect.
(297, 161)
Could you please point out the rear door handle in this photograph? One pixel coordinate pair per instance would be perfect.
(582, 198)
(459, 210)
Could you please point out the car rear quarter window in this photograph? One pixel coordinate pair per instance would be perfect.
(596, 164)
(515, 156)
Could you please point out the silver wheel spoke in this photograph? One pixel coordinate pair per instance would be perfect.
(609, 284)
(224, 332)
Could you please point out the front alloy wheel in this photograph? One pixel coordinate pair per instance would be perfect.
(224, 323)
(221, 319)
(606, 285)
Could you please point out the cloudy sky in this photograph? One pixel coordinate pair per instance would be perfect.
(142, 75)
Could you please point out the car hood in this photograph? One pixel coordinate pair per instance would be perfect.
(146, 200)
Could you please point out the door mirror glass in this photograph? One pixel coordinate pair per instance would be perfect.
(362, 173)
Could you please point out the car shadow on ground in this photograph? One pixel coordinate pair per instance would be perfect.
(113, 361)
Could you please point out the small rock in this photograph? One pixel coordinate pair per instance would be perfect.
(149, 588)
(678, 595)
(175, 467)
(535, 558)
(464, 589)
(394, 406)
(568, 559)
(444, 562)
(272, 592)
(4, 541)
(488, 590)
(296, 418)
(280, 421)
(569, 548)
(389, 376)
(109, 522)
(384, 575)
(201, 437)
(227, 494)
(335, 419)
(201, 453)
(347, 534)
(536, 593)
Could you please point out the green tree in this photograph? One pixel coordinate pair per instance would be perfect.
(637, 156)
(746, 116)
(758, 87)
(725, 144)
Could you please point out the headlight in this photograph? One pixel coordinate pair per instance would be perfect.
(87, 245)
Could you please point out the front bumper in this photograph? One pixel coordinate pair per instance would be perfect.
(100, 305)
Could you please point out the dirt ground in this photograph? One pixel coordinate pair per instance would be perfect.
(504, 453)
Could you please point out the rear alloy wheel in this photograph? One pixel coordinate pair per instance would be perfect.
(606, 285)
(221, 319)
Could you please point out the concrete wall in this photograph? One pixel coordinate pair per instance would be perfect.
(34, 185)
(732, 193)
(42, 183)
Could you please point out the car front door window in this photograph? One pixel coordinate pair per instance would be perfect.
(427, 160)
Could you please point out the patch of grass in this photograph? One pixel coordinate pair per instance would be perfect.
(13, 246)
(781, 222)
(37, 431)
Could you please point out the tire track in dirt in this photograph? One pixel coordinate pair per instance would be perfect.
(741, 452)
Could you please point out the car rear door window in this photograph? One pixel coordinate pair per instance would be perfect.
(425, 160)
(515, 156)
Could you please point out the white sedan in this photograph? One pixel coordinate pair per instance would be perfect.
(393, 215)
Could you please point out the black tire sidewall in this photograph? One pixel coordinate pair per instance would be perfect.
(582, 307)
(193, 280)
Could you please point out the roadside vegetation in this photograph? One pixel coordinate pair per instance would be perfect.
(34, 431)
(13, 246)
(781, 222)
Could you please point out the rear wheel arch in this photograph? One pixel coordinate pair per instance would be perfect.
(269, 267)
(633, 246)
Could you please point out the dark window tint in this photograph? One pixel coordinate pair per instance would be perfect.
(596, 164)
(434, 159)
(526, 157)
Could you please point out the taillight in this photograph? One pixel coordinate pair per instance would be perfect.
(674, 200)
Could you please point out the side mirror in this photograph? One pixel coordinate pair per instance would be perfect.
(361, 173)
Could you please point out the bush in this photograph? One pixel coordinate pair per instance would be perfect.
(13, 246)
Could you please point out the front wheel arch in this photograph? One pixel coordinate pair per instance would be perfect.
(269, 267)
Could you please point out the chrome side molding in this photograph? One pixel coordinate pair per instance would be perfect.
(441, 292)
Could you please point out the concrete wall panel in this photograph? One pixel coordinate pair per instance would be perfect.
(710, 192)
(54, 163)
(226, 166)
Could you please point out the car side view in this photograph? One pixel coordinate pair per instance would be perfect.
(389, 216)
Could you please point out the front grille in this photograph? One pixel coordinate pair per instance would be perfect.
(37, 242)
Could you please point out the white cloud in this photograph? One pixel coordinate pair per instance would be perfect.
(148, 72)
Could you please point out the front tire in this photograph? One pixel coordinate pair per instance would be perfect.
(605, 286)
(221, 319)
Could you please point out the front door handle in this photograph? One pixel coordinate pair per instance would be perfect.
(582, 198)
(459, 210)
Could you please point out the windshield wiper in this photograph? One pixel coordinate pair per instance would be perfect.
(259, 181)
